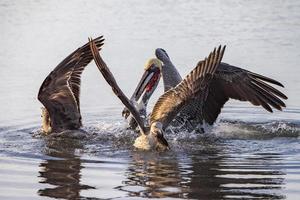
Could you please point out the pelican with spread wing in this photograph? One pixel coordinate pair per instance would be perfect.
(228, 82)
(194, 86)
(59, 93)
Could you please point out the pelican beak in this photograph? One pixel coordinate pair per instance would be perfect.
(145, 88)
(148, 83)
(163, 144)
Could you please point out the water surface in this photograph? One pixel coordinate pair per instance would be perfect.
(249, 153)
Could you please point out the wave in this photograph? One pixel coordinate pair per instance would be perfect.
(254, 130)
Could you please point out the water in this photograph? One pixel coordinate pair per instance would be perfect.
(248, 154)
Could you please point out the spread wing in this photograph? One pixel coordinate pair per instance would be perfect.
(108, 76)
(236, 83)
(59, 92)
(194, 86)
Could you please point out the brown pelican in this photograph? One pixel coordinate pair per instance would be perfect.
(195, 85)
(229, 82)
(59, 92)
(143, 91)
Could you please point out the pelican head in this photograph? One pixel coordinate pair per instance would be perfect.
(154, 140)
(150, 79)
(147, 85)
(156, 131)
(162, 55)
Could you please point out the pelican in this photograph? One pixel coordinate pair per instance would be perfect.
(144, 91)
(195, 85)
(59, 93)
(228, 82)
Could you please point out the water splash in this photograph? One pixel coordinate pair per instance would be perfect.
(250, 130)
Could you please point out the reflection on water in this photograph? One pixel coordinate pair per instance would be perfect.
(207, 174)
(205, 169)
(223, 177)
(148, 175)
(62, 171)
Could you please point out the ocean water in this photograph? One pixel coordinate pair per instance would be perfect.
(247, 154)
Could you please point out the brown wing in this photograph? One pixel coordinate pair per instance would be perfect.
(194, 86)
(236, 83)
(108, 76)
(59, 92)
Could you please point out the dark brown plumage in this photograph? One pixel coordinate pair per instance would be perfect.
(194, 86)
(60, 91)
(236, 83)
(230, 82)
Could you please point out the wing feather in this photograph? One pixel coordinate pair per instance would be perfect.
(193, 86)
(75, 78)
(236, 83)
(108, 76)
(59, 92)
